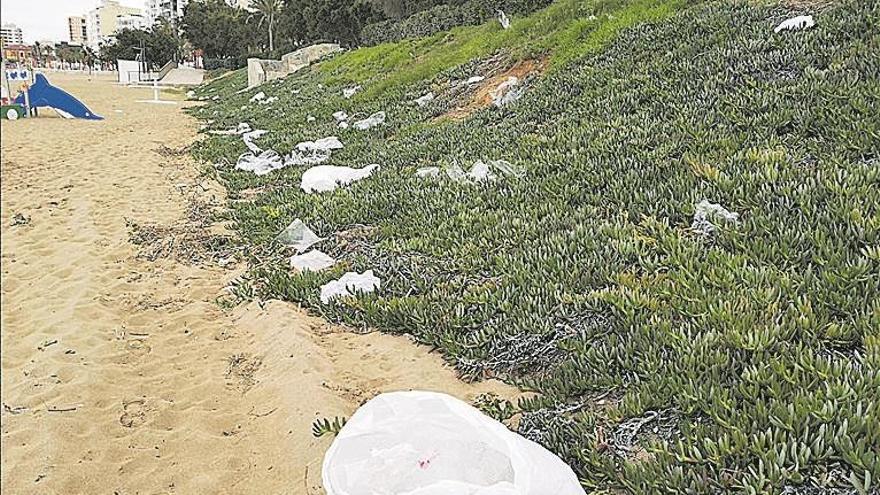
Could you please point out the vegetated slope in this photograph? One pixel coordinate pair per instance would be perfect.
(667, 360)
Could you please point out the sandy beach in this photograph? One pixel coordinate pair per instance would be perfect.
(125, 376)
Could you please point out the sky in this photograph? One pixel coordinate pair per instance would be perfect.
(47, 19)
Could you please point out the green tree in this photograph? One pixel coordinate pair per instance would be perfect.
(268, 11)
(216, 28)
(159, 43)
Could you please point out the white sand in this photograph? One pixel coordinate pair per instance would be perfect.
(136, 394)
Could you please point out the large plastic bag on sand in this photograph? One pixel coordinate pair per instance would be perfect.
(427, 443)
(324, 178)
(348, 285)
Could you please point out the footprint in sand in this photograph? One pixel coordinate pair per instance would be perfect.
(134, 413)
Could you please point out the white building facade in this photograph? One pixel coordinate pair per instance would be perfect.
(11, 34)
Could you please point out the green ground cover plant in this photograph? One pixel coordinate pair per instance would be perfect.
(666, 360)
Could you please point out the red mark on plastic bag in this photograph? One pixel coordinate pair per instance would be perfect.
(426, 463)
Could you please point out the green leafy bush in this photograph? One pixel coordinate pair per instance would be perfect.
(665, 360)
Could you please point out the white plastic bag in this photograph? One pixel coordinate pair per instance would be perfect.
(795, 24)
(377, 118)
(299, 236)
(324, 178)
(313, 261)
(427, 443)
(323, 144)
(348, 285)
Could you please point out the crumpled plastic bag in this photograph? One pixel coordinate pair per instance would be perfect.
(349, 92)
(706, 212)
(474, 79)
(506, 92)
(425, 99)
(796, 23)
(262, 163)
(377, 118)
(242, 128)
(427, 443)
(248, 138)
(348, 285)
(257, 97)
(313, 261)
(324, 178)
(298, 236)
(480, 171)
(323, 144)
(503, 19)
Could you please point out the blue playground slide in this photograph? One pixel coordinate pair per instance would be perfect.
(43, 94)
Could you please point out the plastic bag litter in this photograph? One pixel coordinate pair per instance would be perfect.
(506, 92)
(503, 19)
(241, 129)
(475, 79)
(427, 443)
(706, 212)
(248, 138)
(313, 261)
(257, 97)
(428, 172)
(267, 161)
(349, 92)
(796, 23)
(311, 118)
(348, 285)
(324, 178)
(298, 236)
(424, 100)
(340, 116)
(271, 99)
(480, 171)
(371, 121)
(323, 144)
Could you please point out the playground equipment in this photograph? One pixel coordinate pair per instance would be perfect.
(43, 94)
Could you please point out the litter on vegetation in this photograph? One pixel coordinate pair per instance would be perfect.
(241, 129)
(377, 118)
(480, 171)
(248, 138)
(428, 172)
(324, 178)
(431, 443)
(262, 163)
(340, 116)
(298, 236)
(348, 285)
(796, 23)
(310, 118)
(349, 92)
(506, 92)
(706, 212)
(324, 144)
(424, 100)
(475, 79)
(503, 19)
(313, 261)
(257, 97)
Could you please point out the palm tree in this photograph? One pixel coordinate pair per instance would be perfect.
(268, 11)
